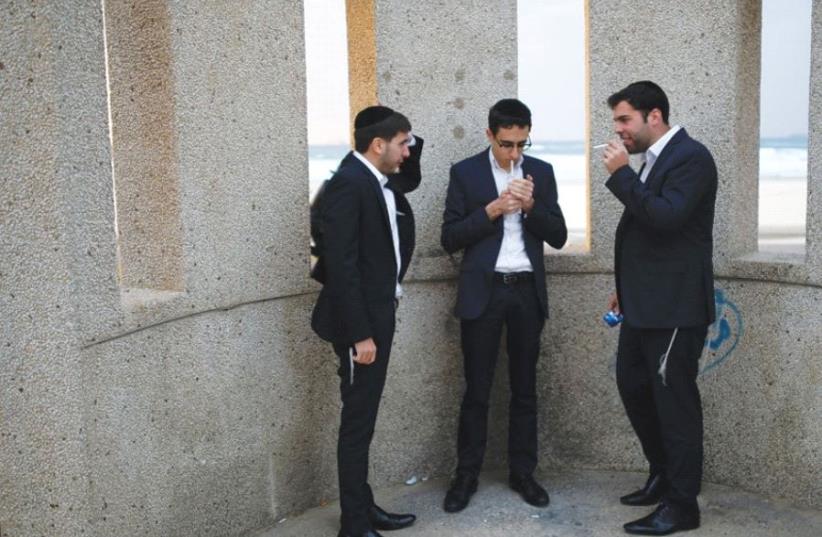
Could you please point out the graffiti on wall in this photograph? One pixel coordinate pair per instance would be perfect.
(723, 335)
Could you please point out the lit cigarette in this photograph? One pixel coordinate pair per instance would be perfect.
(600, 146)
(511, 172)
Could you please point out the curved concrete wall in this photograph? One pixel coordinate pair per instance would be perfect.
(212, 410)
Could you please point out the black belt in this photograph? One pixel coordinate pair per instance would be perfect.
(513, 278)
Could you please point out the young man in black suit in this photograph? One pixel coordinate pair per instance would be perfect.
(665, 291)
(367, 231)
(500, 209)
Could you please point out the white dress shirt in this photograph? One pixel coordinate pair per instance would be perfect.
(650, 156)
(512, 256)
(391, 206)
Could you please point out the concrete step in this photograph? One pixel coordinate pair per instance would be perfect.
(583, 504)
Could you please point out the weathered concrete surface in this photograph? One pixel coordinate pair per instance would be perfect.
(583, 504)
(212, 410)
(707, 61)
(761, 387)
(115, 416)
(814, 222)
(437, 63)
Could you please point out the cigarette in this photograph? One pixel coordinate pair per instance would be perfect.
(511, 172)
(600, 146)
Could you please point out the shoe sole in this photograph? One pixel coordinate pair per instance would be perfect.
(640, 532)
(518, 491)
(644, 503)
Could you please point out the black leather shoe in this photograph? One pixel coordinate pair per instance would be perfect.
(529, 489)
(389, 521)
(650, 494)
(368, 533)
(457, 497)
(666, 519)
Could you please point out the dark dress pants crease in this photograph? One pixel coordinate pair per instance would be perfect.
(517, 308)
(358, 416)
(667, 418)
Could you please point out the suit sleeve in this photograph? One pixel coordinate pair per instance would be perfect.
(409, 177)
(683, 188)
(545, 220)
(461, 228)
(341, 210)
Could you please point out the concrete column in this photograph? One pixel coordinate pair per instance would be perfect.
(814, 223)
(444, 66)
(55, 167)
(705, 55)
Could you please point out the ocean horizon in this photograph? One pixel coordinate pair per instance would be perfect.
(783, 171)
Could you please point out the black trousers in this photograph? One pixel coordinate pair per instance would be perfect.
(360, 404)
(667, 417)
(516, 307)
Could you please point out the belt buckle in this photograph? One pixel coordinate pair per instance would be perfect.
(509, 278)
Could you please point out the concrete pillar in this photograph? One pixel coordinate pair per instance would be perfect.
(705, 55)
(814, 223)
(56, 166)
(444, 67)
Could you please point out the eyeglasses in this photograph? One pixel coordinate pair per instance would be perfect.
(522, 146)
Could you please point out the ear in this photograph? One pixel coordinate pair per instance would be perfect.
(656, 116)
(489, 135)
(378, 145)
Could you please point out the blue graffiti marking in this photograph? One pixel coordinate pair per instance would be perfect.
(724, 334)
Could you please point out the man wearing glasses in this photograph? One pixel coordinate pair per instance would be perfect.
(500, 208)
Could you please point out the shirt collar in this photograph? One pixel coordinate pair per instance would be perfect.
(380, 177)
(495, 164)
(654, 151)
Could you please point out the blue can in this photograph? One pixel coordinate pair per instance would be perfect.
(612, 318)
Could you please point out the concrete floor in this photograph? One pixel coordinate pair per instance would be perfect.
(583, 504)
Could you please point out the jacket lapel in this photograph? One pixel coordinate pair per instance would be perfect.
(661, 161)
(487, 186)
(377, 188)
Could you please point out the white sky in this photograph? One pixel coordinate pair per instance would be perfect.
(786, 46)
(786, 67)
(326, 51)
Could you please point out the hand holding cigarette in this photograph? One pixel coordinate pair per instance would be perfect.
(615, 156)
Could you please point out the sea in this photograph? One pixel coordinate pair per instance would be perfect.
(783, 172)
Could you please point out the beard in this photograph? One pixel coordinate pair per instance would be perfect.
(387, 166)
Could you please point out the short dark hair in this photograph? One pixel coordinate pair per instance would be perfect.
(385, 129)
(508, 112)
(643, 96)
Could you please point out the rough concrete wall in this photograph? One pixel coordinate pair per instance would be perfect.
(437, 63)
(54, 159)
(195, 407)
(761, 383)
(155, 412)
(141, 97)
(814, 222)
(213, 410)
(707, 59)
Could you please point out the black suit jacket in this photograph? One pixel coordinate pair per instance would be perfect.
(358, 257)
(466, 226)
(664, 241)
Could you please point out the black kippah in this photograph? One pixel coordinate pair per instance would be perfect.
(371, 116)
